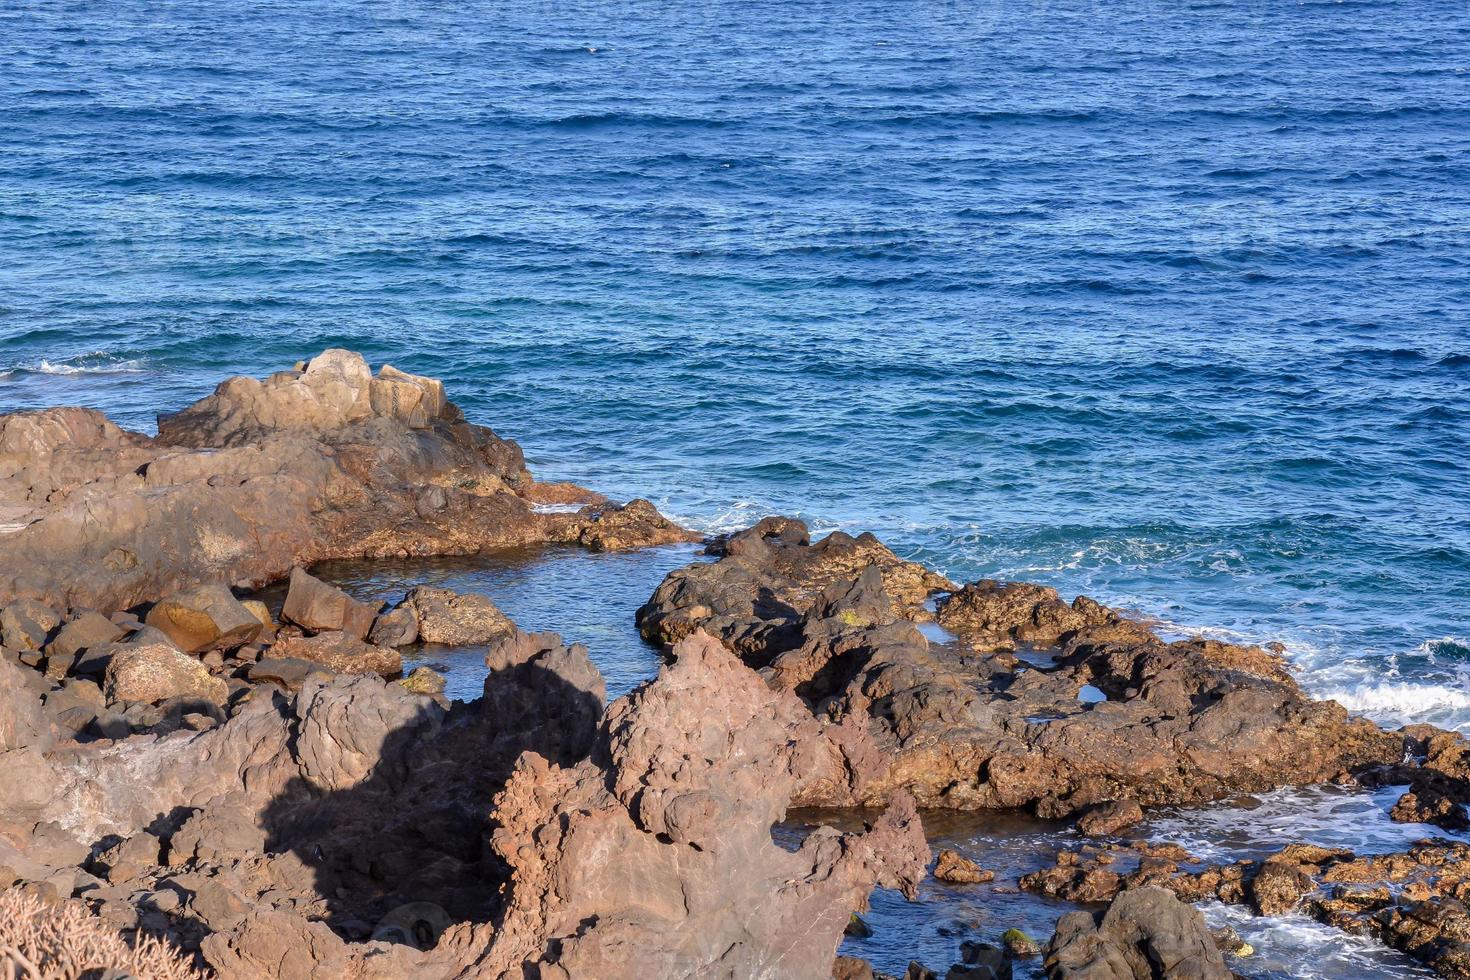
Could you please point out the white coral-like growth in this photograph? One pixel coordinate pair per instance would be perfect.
(39, 941)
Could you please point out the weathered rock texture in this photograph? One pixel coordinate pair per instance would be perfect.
(1146, 933)
(966, 724)
(357, 829)
(325, 461)
(1411, 900)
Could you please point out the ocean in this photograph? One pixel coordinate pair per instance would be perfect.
(1167, 303)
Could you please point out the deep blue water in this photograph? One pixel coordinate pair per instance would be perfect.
(1168, 302)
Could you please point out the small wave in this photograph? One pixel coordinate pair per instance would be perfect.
(1448, 648)
(95, 363)
(1401, 698)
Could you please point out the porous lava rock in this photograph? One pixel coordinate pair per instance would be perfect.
(455, 619)
(1118, 714)
(1146, 933)
(156, 672)
(354, 828)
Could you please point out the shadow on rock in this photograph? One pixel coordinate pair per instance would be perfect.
(392, 810)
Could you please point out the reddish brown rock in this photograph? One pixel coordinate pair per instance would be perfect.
(338, 652)
(314, 605)
(1279, 886)
(997, 615)
(206, 617)
(1145, 933)
(768, 576)
(963, 727)
(701, 764)
(156, 672)
(456, 619)
(1430, 805)
(953, 866)
(86, 630)
(1110, 817)
(634, 525)
(325, 461)
(26, 624)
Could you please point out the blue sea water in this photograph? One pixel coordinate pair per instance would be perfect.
(1167, 302)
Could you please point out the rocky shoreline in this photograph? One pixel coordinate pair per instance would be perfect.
(262, 787)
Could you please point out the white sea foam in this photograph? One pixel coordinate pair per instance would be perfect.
(96, 362)
(556, 508)
(1401, 698)
(90, 366)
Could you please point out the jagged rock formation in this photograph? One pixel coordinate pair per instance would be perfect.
(357, 829)
(968, 725)
(690, 773)
(324, 461)
(1411, 900)
(1145, 933)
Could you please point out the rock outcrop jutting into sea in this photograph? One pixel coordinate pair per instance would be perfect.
(325, 461)
(260, 786)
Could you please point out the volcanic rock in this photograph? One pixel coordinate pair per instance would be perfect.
(339, 653)
(964, 727)
(637, 524)
(206, 617)
(26, 624)
(1145, 933)
(699, 765)
(396, 627)
(88, 629)
(325, 461)
(314, 605)
(154, 673)
(456, 619)
(953, 866)
(423, 680)
(1110, 817)
(1279, 885)
(1430, 805)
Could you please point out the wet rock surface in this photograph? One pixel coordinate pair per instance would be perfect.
(1410, 900)
(1145, 933)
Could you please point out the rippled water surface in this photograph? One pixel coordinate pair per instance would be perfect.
(1162, 301)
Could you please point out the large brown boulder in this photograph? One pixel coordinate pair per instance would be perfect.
(23, 724)
(26, 624)
(456, 619)
(157, 672)
(1145, 934)
(324, 461)
(636, 524)
(206, 617)
(83, 631)
(314, 605)
(767, 579)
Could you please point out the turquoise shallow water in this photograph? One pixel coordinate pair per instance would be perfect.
(1164, 302)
